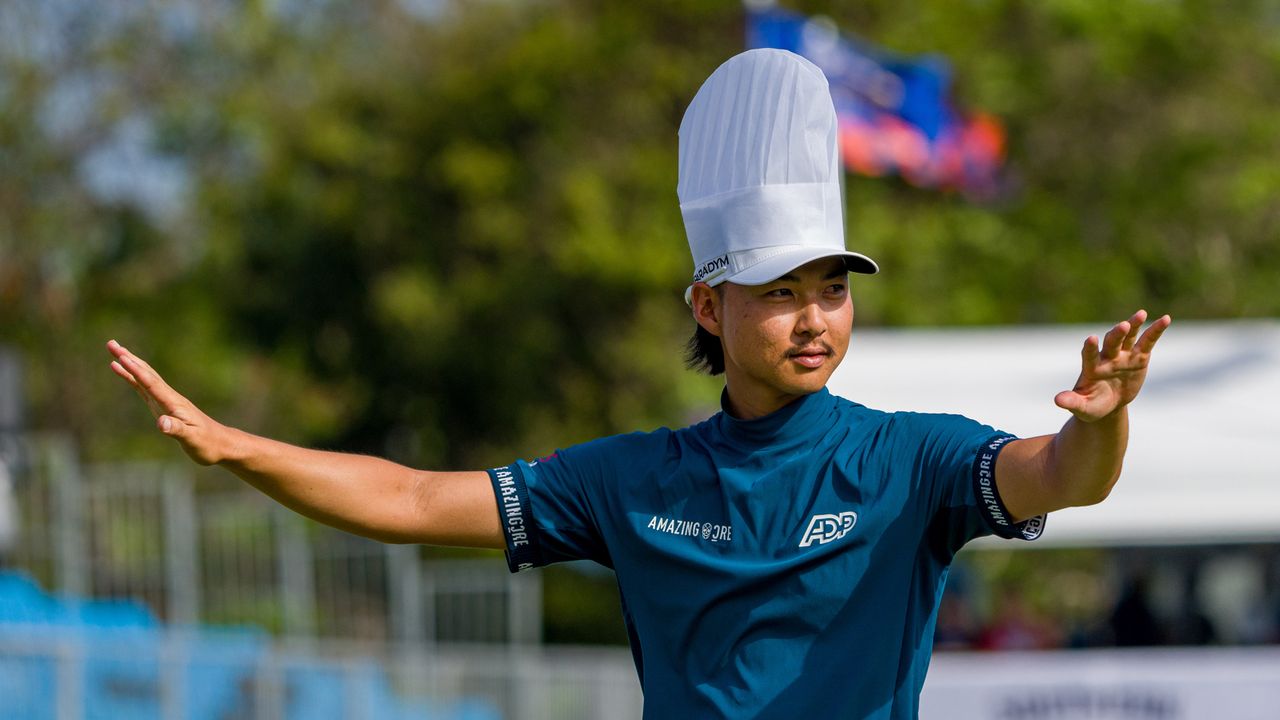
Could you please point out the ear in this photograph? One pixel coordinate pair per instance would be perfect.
(706, 306)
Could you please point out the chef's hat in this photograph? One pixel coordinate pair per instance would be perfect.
(759, 181)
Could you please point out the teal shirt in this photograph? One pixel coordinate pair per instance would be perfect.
(782, 567)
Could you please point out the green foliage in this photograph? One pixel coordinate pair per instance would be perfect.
(456, 240)
(581, 608)
(1140, 134)
(483, 243)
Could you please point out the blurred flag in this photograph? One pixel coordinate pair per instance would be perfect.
(895, 112)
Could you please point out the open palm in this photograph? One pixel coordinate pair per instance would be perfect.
(1112, 375)
(200, 436)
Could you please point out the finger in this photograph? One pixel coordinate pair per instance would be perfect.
(1089, 353)
(123, 353)
(1111, 343)
(149, 380)
(1135, 324)
(127, 359)
(1153, 333)
(116, 349)
(118, 369)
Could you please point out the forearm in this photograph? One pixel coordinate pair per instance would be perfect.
(360, 494)
(357, 493)
(1077, 466)
(1083, 461)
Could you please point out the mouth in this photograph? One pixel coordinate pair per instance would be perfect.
(811, 357)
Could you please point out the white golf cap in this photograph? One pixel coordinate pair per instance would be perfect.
(759, 181)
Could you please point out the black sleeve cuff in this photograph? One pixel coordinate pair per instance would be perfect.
(516, 516)
(992, 507)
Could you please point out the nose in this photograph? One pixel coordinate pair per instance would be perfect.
(811, 321)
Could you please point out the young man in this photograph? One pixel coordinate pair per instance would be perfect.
(786, 557)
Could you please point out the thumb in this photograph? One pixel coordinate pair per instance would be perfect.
(170, 426)
(1069, 400)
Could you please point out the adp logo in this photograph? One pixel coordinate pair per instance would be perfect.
(825, 528)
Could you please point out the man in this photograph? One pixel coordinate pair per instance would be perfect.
(786, 557)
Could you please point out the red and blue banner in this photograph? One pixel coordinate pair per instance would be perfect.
(895, 112)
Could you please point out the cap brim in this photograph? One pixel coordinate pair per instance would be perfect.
(766, 271)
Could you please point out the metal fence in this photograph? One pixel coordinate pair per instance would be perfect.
(218, 552)
(264, 614)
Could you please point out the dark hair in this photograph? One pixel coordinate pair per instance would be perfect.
(704, 352)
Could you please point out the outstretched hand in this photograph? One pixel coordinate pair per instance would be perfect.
(201, 437)
(1111, 376)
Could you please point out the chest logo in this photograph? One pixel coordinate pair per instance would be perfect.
(707, 531)
(826, 528)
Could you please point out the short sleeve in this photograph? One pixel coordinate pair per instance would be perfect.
(956, 460)
(555, 509)
(984, 493)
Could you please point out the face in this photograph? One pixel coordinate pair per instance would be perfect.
(781, 340)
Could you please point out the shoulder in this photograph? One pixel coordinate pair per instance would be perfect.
(907, 420)
(637, 441)
(623, 450)
(908, 426)
(876, 421)
(853, 410)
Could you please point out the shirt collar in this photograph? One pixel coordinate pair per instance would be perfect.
(795, 420)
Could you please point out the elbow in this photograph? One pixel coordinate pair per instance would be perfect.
(1092, 499)
(1097, 492)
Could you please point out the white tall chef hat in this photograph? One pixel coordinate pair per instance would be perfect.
(759, 181)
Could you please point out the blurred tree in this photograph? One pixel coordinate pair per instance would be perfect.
(483, 244)
(451, 237)
(1141, 141)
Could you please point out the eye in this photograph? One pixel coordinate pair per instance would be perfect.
(836, 288)
(779, 293)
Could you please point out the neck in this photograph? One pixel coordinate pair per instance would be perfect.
(746, 406)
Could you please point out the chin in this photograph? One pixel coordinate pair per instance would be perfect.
(810, 382)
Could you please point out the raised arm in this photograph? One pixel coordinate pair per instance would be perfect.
(1081, 463)
(360, 494)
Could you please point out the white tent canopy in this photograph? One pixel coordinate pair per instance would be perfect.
(1201, 466)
